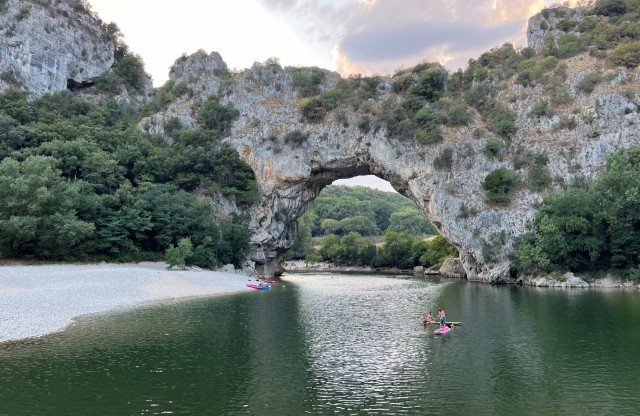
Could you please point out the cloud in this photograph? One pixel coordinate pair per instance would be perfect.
(373, 35)
(393, 42)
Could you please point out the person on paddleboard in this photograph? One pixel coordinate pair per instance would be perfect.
(443, 318)
(430, 319)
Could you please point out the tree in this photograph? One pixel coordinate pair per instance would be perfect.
(396, 251)
(411, 221)
(329, 226)
(177, 256)
(38, 210)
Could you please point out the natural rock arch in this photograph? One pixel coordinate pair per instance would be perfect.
(291, 174)
(293, 159)
(290, 184)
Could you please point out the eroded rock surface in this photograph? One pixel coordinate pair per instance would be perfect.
(46, 47)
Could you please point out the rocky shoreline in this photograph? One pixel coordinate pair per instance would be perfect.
(453, 269)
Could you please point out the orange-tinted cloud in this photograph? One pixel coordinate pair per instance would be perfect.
(379, 36)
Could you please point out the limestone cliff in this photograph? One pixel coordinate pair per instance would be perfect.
(47, 45)
(293, 171)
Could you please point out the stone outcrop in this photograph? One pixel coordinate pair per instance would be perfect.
(452, 268)
(568, 280)
(48, 46)
(544, 25)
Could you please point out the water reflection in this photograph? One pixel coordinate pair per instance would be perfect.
(340, 344)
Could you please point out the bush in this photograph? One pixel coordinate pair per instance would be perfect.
(130, 69)
(499, 185)
(397, 123)
(568, 45)
(296, 137)
(539, 177)
(493, 147)
(444, 160)
(217, 117)
(541, 109)
(531, 70)
(432, 135)
(308, 80)
(177, 256)
(364, 123)
(431, 85)
(402, 83)
(459, 115)
(428, 117)
(627, 55)
(479, 95)
(567, 123)
(503, 121)
(589, 82)
(313, 109)
(610, 7)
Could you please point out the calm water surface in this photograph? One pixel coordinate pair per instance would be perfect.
(340, 345)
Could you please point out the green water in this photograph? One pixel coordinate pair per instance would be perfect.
(340, 344)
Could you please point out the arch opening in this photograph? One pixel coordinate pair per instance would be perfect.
(290, 204)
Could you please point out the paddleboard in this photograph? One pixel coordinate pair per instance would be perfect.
(441, 331)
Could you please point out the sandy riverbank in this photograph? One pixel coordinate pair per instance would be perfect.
(36, 300)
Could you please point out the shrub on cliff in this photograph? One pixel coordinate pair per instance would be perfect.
(503, 121)
(588, 83)
(459, 115)
(308, 80)
(431, 85)
(444, 161)
(296, 138)
(610, 7)
(217, 117)
(627, 55)
(130, 69)
(314, 109)
(499, 185)
(541, 109)
(568, 45)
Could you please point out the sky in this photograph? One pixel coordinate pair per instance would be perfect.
(348, 36)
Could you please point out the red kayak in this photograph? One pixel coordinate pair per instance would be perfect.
(258, 287)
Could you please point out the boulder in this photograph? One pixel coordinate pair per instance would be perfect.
(452, 268)
(227, 268)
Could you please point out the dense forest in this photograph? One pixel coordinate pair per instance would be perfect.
(345, 223)
(79, 181)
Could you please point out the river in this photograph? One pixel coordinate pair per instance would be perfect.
(340, 344)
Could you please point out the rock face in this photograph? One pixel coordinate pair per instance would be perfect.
(46, 46)
(545, 24)
(291, 174)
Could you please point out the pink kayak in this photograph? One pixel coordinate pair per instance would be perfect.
(441, 331)
(258, 287)
(271, 281)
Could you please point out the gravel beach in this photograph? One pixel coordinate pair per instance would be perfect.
(37, 300)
